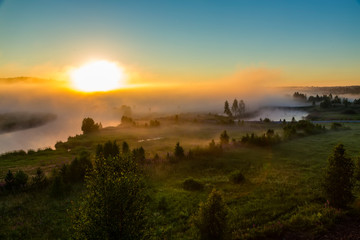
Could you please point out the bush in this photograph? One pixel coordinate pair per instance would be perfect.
(211, 220)
(237, 177)
(39, 181)
(224, 137)
(192, 185)
(58, 188)
(9, 180)
(336, 126)
(163, 205)
(20, 179)
(179, 151)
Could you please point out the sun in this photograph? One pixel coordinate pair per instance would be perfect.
(97, 76)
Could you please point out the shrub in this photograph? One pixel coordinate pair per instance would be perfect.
(192, 185)
(211, 220)
(20, 179)
(237, 177)
(224, 137)
(9, 180)
(58, 188)
(39, 180)
(336, 125)
(178, 151)
(163, 205)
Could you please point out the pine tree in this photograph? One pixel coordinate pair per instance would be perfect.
(338, 182)
(227, 109)
(211, 219)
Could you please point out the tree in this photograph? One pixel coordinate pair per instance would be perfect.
(235, 108)
(109, 149)
(338, 182)
(115, 201)
(179, 151)
(125, 148)
(89, 125)
(211, 220)
(39, 180)
(241, 108)
(227, 109)
(9, 180)
(224, 137)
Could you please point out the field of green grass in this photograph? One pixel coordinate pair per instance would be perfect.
(281, 194)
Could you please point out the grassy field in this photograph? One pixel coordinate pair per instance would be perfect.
(281, 194)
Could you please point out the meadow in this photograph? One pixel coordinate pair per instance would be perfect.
(280, 196)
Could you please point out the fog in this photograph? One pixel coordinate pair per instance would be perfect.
(34, 97)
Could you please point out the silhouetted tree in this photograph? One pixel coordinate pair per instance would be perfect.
(179, 151)
(211, 220)
(88, 125)
(241, 108)
(125, 148)
(109, 149)
(39, 180)
(338, 182)
(9, 180)
(227, 109)
(139, 154)
(224, 137)
(235, 108)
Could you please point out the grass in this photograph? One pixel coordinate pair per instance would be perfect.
(281, 192)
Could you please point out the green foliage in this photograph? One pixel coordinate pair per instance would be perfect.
(336, 125)
(267, 139)
(178, 151)
(9, 180)
(114, 204)
(338, 182)
(39, 181)
(211, 220)
(163, 206)
(109, 149)
(191, 184)
(57, 187)
(237, 177)
(224, 137)
(138, 154)
(20, 179)
(125, 148)
(301, 128)
(89, 125)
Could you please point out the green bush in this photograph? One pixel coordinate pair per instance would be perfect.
(192, 185)
(237, 177)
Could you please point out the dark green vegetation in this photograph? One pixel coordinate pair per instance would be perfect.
(267, 191)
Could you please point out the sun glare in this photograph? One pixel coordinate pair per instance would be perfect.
(97, 76)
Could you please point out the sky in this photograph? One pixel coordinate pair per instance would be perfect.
(277, 42)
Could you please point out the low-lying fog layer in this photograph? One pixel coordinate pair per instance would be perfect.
(71, 107)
